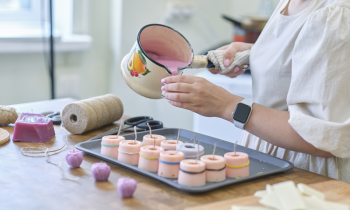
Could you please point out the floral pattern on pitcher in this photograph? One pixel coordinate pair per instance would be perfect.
(137, 63)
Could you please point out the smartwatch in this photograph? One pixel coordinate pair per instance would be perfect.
(242, 113)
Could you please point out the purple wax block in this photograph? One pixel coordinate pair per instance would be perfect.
(126, 187)
(31, 127)
(100, 171)
(74, 158)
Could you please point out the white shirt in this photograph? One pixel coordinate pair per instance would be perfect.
(301, 63)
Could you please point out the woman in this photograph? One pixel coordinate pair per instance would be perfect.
(300, 69)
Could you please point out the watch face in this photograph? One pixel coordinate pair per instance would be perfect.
(242, 113)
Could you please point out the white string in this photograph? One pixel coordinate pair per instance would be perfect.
(197, 153)
(178, 136)
(135, 131)
(150, 130)
(235, 147)
(129, 153)
(120, 127)
(179, 148)
(36, 150)
(214, 151)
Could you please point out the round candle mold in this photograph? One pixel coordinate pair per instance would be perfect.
(169, 144)
(110, 145)
(190, 150)
(169, 164)
(214, 168)
(147, 140)
(129, 152)
(126, 187)
(192, 173)
(149, 158)
(100, 171)
(237, 165)
(74, 158)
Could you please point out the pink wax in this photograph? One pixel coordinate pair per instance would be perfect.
(171, 63)
(31, 127)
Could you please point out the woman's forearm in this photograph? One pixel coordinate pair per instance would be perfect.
(272, 126)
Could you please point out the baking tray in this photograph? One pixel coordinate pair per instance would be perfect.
(261, 164)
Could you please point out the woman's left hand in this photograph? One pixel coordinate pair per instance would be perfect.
(198, 95)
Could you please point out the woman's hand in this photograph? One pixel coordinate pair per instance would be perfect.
(230, 52)
(198, 95)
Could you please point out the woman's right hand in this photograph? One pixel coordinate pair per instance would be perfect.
(230, 52)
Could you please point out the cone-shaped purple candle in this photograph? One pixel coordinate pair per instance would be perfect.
(74, 158)
(100, 171)
(126, 187)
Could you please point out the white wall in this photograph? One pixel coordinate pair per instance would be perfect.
(24, 77)
(113, 25)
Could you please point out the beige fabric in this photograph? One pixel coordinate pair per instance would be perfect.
(301, 63)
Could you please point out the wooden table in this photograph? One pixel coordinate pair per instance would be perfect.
(32, 183)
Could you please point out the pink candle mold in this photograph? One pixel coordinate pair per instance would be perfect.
(149, 158)
(190, 150)
(173, 64)
(110, 145)
(169, 144)
(192, 173)
(214, 168)
(74, 158)
(126, 187)
(237, 164)
(31, 127)
(169, 164)
(148, 140)
(129, 152)
(100, 171)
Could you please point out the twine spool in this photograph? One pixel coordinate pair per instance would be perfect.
(88, 114)
(7, 115)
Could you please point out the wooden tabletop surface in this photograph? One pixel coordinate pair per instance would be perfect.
(32, 183)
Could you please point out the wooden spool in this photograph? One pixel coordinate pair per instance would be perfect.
(4, 136)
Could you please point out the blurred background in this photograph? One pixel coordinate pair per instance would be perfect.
(92, 36)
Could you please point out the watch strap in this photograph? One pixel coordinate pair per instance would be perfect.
(249, 103)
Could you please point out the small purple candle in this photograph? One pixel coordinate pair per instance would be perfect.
(100, 171)
(126, 187)
(74, 158)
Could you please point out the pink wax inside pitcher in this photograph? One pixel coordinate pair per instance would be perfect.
(166, 46)
(172, 64)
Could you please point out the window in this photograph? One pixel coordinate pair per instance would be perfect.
(24, 24)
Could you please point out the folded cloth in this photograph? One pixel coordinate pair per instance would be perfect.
(217, 58)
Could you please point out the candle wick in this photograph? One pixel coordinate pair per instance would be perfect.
(197, 152)
(135, 131)
(150, 130)
(178, 135)
(194, 139)
(120, 128)
(179, 148)
(235, 147)
(214, 151)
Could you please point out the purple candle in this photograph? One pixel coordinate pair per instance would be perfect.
(126, 187)
(74, 158)
(31, 127)
(100, 171)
